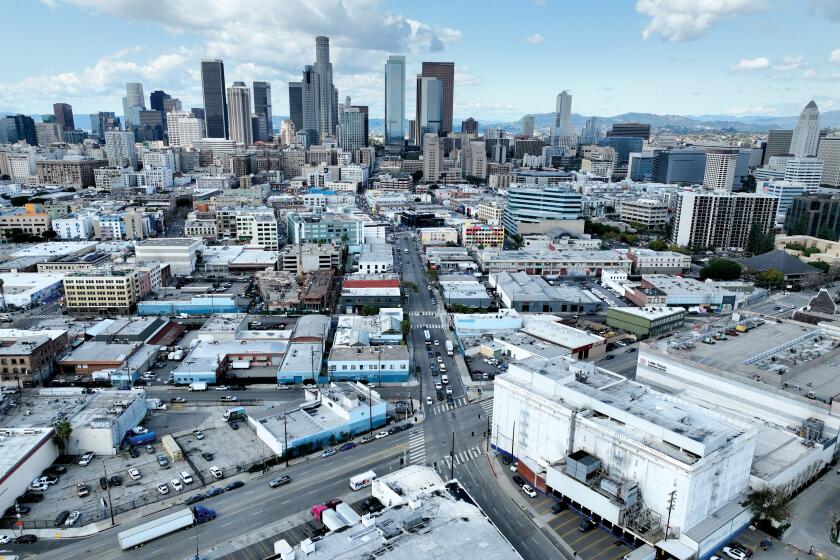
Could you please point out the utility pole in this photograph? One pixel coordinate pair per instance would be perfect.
(452, 458)
(108, 486)
(488, 434)
(370, 408)
(513, 440)
(285, 440)
(672, 501)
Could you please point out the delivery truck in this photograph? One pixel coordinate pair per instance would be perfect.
(232, 414)
(450, 348)
(198, 386)
(140, 535)
(139, 439)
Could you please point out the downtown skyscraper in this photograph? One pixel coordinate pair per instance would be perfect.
(64, 116)
(562, 133)
(133, 102)
(215, 100)
(239, 113)
(395, 101)
(262, 108)
(806, 135)
(327, 94)
(445, 72)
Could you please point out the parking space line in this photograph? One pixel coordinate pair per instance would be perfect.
(593, 543)
(574, 519)
(622, 550)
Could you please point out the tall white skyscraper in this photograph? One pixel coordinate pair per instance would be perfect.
(239, 113)
(562, 133)
(720, 169)
(351, 127)
(395, 100)
(430, 91)
(528, 126)
(327, 94)
(119, 148)
(806, 135)
(183, 128)
(432, 158)
(133, 102)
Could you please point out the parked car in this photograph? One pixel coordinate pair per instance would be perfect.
(185, 476)
(176, 484)
(5, 539)
(585, 525)
(61, 518)
(234, 425)
(103, 482)
(31, 497)
(734, 553)
(214, 492)
(234, 485)
(366, 439)
(73, 518)
(86, 459)
(82, 489)
(216, 472)
(222, 388)
(518, 480)
(194, 499)
(279, 481)
(381, 435)
(558, 507)
(198, 435)
(229, 398)
(150, 449)
(162, 460)
(26, 539)
(328, 452)
(163, 489)
(116, 480)
(529, 490)
(134, 474)
(347, 446)
(133, 452)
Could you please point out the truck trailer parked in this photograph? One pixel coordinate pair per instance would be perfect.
(140, 535)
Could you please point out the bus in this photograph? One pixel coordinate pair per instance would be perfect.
(361, 480)
(428, 336)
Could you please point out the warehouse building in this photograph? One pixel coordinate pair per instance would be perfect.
(645, 321)
(533, 294)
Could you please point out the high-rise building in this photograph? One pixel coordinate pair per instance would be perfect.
(64, 116)
(239, 113)
(429, 106)
(119, 148)
(591, 132)
(562, 133)
(528, 126)
(184, 129)
(48, 133)
(351, 130)
(475, 159)
(395, 101)
(133, 102)
(806, 135)
(364, 110)
(634, 130)
(829, 153)
(720, 168)
(171, 105)
(445, 72)
(327, 94)
(807, 170)
(17, 128)
(296, 104)
(536, 204)
(156, 99)
(709, 221)
(310, 90)
(215, 101)
(469, 126)
(262, 108)
(815, 214)
(778, 144)
(102, 121)
(432, 158)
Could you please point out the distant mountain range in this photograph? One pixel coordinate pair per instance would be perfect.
(672, 123)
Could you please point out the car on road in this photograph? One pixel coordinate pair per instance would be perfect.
(116, 480)
(309, 386)
(176, 484)
(430, 355)
(529, 490)
(214, 492)
(71, 520)
(734, 553)
(150, 449)
(229, 398)
(198, 435)
(585, 526)
(283, 387)
(279, 481)
(367, 439)
(222, 388)
(5, 539)
(162, 460)
(134, 474)
(234, 485)
(180, 400)
(328, 453)
(519, 480)
(437, 342)
(347, 446)
(439, 386)
(629, 350)
(163, 489)
(26, 539)
(82, 489)
(86, 459)
(448, 390)
(428, 400)
(103, 482)
(61, 518)
(194, 499)
(381, 435)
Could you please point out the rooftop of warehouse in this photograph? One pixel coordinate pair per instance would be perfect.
(17, 445)
(651, 313)
(48, 406)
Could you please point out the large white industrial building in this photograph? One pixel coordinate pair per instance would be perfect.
(615, 449)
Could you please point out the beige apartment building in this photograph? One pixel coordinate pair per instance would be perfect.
(115, 291)
(69, 173)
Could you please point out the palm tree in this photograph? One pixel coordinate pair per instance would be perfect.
(63, 429)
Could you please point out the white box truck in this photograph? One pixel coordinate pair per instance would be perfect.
(198, 386)
(450, 348)
(140, 535)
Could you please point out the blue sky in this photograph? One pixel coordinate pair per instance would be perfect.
(689, 57)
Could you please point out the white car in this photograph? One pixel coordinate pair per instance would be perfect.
(216, 472)
(734, 554)
(439, 386)
(529, 491)
(71, 520)
(283, 387)
(229, 398)
(176, 484)
(163, 489)
(42, 486)
(448, 390)
(440, 359)
(429, 400)
(86, 459)
(134, 474)
(185, 476)
(45, 480)
(222, 388)
(5, 539)
(139, 430)
(381, 435)
(309, 386)
(437, 342)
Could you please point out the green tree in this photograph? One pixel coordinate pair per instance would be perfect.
(755, 239)
(417, 176)
(405, 327)
(770, 277)
(768, 243)
(768, 503)
(63, 430)
(19, 200)
(721, 269)
(824, 266)
(369, 310)
(658, 245)
(825, 233)
(451, 244)
(517, 241)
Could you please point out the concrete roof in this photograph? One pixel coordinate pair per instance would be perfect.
(346, 353)
(17, 444)
(54, 248)
(95, 351)
(169, 242)
(650, 313)
(521, 287)
(549, 327)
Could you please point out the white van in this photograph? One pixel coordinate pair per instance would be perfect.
(444, 379)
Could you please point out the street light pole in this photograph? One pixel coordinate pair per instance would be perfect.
(452, 458)
(108, 487)
(285, 441)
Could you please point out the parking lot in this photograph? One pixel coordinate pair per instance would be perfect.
(596, 543)
(232, 450)
(478, 367)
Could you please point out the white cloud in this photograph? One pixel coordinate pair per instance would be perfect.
(750, 64)
(535, 39)
(685, 20)
(835, 56)
(257, 39)
(789, 63)
(753, 110)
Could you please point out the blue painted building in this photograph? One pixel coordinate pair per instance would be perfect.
(198, 305)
